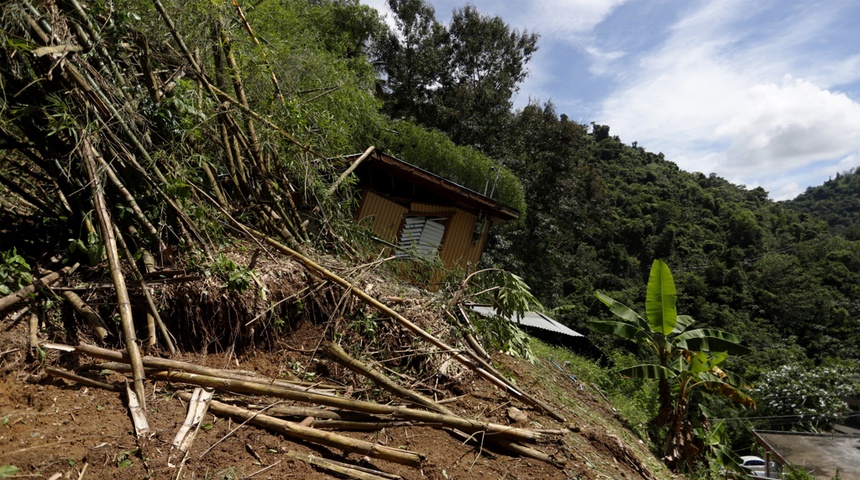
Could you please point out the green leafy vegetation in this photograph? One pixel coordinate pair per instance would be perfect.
(9, 471)
(14, 272)
(837, 202)
(686, 368)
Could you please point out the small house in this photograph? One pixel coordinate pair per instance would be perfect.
(420, 215)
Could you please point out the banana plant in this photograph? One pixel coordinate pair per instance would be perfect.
(688, 362)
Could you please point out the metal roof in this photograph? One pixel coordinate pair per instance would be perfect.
(530, 319)
(462, 197)
(820, 453)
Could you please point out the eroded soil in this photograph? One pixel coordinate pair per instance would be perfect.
(51, 428)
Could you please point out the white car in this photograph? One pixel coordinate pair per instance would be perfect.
(754, 464)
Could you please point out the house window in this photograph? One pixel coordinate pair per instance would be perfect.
(421, 237)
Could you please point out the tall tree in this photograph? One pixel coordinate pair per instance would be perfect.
(564, 198)
(459, 79)
(486, 62)
(411, 59)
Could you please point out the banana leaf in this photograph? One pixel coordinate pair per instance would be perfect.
(621, 311)
(711, 340)
(719, 386)
(620, 329)
(660, 299)
(683, 322)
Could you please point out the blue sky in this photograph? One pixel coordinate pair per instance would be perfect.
(762, 93)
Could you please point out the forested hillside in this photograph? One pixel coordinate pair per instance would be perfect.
(837, 202)
(599, 211)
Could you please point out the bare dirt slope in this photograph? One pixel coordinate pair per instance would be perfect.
(51, 427)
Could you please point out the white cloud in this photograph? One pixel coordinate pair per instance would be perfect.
(552, 18)
(729, 93)
(601, 60)
(562, 19)
(788, 126)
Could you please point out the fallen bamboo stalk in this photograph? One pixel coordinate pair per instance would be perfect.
(252, 388)
(339, 354)
(155, 363)
(470, 339)
(343, 469)
(150, 303)
(361, 294)
(329, 439)
(138, 417)
(197, 407)
(383, 381)
(87, 382)
(25, 292)
(90, 315)
(109, 239)
(526, 451)
(368, 470)
(318, 413)
(33, 321)
(349, 170)
(369, 426)
(452, 421)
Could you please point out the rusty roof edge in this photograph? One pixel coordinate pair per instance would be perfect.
(502, 211)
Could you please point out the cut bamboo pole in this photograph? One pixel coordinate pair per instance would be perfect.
(150, 303)
(329, 439)
(138, 417)
(87, 382)
(339, 354)
(197, 408)
(25, 292)
(33, 321)
(353, 425)
(349, 170)
(361, 294)
(470, 339)
(337, 467)
(317, 413)
(239, 386)
(255, 388)
(167, 364)
(90, 315)
(123, 301)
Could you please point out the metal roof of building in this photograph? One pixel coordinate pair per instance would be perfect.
(822, 454)
(530, 319)
(462, 197)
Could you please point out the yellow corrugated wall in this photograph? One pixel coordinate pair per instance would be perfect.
(457, 247)
(387, 216)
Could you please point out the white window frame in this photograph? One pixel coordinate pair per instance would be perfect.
(421, 237)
